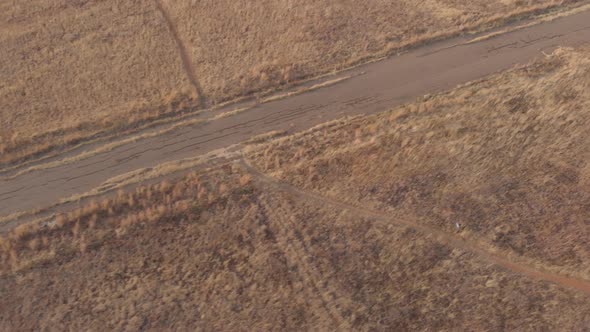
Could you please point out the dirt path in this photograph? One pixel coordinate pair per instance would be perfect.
(184, 56)
(449, 239)
(382, 85)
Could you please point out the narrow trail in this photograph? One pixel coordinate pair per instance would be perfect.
(184, 56)
(446, 238)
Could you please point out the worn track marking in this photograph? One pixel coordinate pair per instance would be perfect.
(184, 56)
(449, 239)
(296, 251)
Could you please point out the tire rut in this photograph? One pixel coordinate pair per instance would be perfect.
(296, 251)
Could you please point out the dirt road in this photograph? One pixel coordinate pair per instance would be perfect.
(373, 88)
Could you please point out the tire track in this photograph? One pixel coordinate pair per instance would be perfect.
(184, 56)
(296, 251)
(446, 238)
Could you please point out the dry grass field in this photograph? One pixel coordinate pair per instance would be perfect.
(75, 68)
(72, 70)
(351, 225)
(508, 158)
(234, 249)
(219, 251)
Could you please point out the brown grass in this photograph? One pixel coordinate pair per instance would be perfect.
(191, 255)
(63, 87)
(124, 210)
(507, 158)
(66, 75)
(299, 40)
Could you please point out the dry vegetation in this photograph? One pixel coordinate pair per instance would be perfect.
(75, 68)
(508, 158)
(72, 70)
(273, 42)
(218, 251)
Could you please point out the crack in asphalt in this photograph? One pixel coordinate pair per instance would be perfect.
(12, 191)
